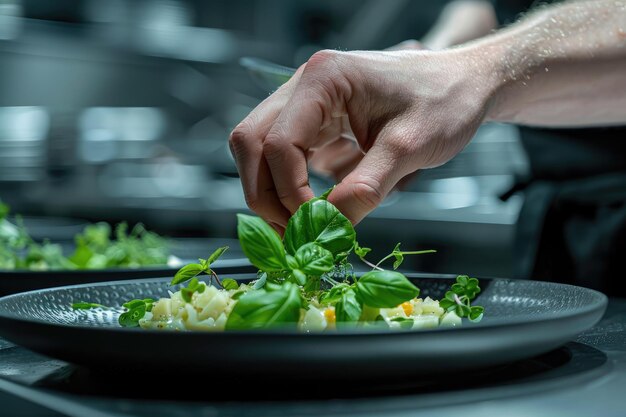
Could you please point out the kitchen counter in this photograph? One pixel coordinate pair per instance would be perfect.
(585, 377)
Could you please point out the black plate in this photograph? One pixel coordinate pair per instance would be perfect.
(523, 319)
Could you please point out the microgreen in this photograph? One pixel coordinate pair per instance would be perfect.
(396, 253)
(135, 311)
(193, 286)
(191, 271)
(95, 248)
(459, 298)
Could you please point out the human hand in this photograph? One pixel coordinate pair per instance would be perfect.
(405, 111)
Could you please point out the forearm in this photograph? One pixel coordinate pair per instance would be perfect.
(563, 65)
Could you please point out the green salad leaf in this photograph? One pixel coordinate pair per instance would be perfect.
(269, 307)
(385, 289)
(318, 221)
(261, 244)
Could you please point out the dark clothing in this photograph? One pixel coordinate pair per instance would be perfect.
(572, 227)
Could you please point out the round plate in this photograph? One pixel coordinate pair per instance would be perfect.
(522, 319)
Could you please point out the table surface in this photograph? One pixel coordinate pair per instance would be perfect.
(586, 377)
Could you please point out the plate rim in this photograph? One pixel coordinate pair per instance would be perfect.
(593, 308)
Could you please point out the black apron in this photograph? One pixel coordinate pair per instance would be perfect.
(572, 226)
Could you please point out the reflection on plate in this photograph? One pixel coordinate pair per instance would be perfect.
(522, 319)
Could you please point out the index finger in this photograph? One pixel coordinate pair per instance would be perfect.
(294, 132)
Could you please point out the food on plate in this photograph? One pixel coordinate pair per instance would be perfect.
(95, 248)
(305, 281)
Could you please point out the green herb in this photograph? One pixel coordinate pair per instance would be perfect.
(313, 259)
(95, 249)
(385, 289)
(191, 271)
(274, 305)
(193, 287)
(261, 244)
(348, 309)
(396, 253)
(135, 311)
(229, 284)
(83, 305)
(459, 298)
(310, 266)
(318, 221)
(360, 251)
(404, 322)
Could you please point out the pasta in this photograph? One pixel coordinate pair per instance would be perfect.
(209, 311)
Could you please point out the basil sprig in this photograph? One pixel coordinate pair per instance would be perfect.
(272, 306)
(320, 222)
(308, 266)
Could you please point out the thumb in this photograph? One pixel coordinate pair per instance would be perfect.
(368, 184)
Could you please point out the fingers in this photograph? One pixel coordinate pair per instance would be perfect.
(308, 112)
(246, 144)
(363, 189)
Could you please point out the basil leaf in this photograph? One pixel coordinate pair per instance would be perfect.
(313, 259)
(215, 255)
(326, 193)
(385, 289)
(229, 284)
(263, 308)
(404, 322)
(186, 273)
(299, 276)
(320, 222)
(83, 305)
(260, 282)
(261, 243)
(360, 251)
(333, 295)
(348, 309)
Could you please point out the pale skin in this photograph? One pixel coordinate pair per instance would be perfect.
(374, 117)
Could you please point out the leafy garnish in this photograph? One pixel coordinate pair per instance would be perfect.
(385, 289)
(261, 244)
(193, 286)
(191, 271)
(83, 305)
(459, 298)
(308, 269)
(135, 311)
(318, 221)
(229, 284)
(274, 305)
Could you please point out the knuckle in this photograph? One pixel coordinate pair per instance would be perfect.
(272, 146)
(323, 57)
(368, 195)
(252, 202)
(240, 136)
